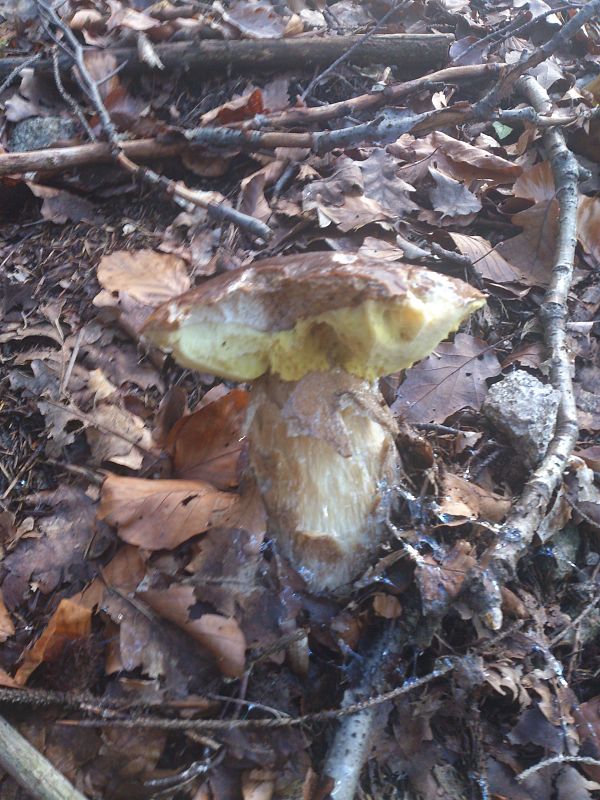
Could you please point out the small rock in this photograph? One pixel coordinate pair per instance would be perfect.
(37, 133)
(524, 409)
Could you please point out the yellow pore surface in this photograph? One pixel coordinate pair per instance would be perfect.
(368, 340)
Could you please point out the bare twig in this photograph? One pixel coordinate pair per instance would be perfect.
(487, 104)
(518, 530)
(30, 769)
(187, 198)
(548, 762)
(275, 722)
(27, 62)
(396, 6)
(69, 99)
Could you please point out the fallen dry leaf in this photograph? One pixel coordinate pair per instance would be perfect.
(450, 379)
(486, 260)
(123, 572)
(236, 110)
(219, 635)
(206, 445)
(161, 514)
(145, 277)
(56, 551)
(7, 628)
(59, 206)
(466, 500)
(70, 621)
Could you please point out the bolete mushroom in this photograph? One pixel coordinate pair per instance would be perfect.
(313, 333)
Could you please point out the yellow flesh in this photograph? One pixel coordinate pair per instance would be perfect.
(370, 340)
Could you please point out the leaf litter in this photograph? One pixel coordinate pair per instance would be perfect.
(138, 569)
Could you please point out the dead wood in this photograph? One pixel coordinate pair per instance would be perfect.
(30, 769)
(413, 52)
(60, 158)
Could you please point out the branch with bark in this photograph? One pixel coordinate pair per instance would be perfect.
(411, 52)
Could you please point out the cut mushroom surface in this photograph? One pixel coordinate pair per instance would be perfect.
(298, 314)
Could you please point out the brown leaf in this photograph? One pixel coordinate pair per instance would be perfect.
(532, 251)
(126, 446)
(206, 445)
(441, 576)
(146, 278)
(381, 183)
(237, 110)
(70, 621)
(486, 260)
(536, 183)
(387, 606)
(219, 635)
(461, 160)
(450, 197)
(101, 64)
(466, 500)
(57, 550)
(123, 572)
(451, 379)
(258, 784)
(162, 514)
(60, 206)
(588, 226)
(7, 628)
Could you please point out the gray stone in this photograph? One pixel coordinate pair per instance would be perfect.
(37, 133)
(524, 409)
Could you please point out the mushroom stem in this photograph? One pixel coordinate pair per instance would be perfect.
(323, 452)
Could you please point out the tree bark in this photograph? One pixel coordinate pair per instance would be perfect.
(416, 53)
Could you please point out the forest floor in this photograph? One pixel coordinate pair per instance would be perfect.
(152, 649)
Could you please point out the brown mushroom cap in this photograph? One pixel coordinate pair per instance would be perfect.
(297, 314)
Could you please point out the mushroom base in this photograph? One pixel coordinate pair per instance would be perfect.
(324, 456)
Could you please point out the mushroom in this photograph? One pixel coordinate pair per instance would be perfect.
(313, 333)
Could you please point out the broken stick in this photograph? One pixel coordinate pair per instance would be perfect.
(415, 53)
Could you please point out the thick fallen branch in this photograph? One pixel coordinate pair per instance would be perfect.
(413, 52)
(388, 96)
(30, 769)
(59, 158)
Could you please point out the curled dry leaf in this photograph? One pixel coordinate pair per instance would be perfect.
(219, 635)
(161, 514)
(206, 445)
(465, 500)
(236, 110)
(70, 621)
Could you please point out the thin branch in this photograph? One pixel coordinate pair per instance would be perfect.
(396, 6)
(275, 722)
(183, 196)
(518, 530)
(562, 38)
(591, 762)
(30, 769)
(17, 71)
